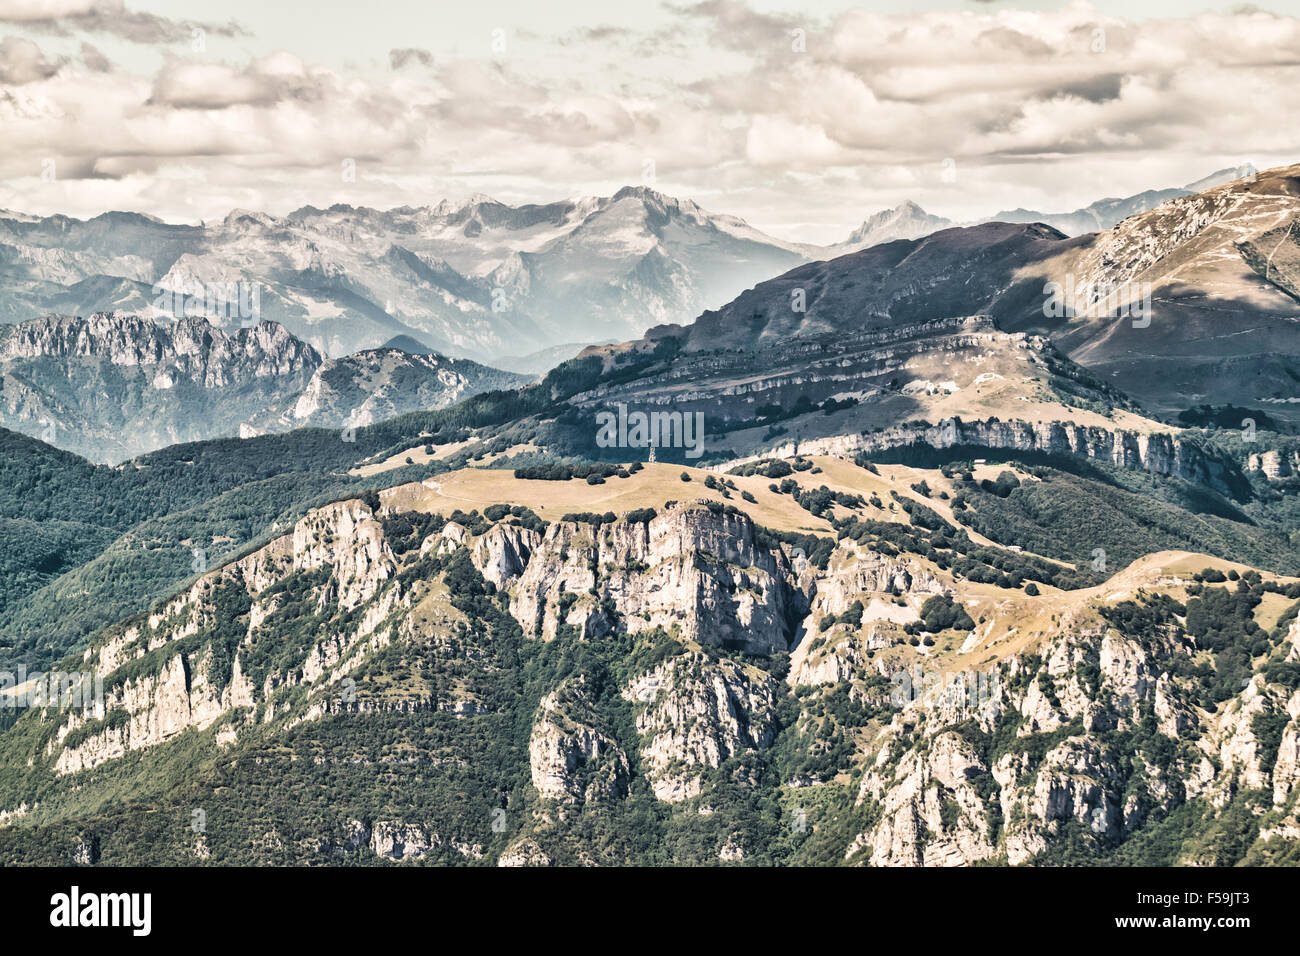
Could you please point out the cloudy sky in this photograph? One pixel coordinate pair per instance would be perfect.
(802, 116)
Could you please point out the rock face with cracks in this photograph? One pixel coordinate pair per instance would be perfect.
(677, 660)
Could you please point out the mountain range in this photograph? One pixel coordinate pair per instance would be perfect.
(1105, 213)
(480, 279)
(593, 270)
(111, 386)
(958, 326)
(959, 578)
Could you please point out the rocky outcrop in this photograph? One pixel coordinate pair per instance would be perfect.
(1237, 744)
(395, 840)
(891, 590)
(1274, 464)
(931, 814)
(1160, 453)
(401, 841)
(865, 573)
(688, 570)
(1286, 770)
(148, 711)
(693, 713)
(113, 386)
(949, 798)
(524, 852)
(568, 757)
(502, 554)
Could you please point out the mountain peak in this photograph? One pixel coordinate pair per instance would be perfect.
(907, 220)
(248, 217)
(474, 200)
(1221, 177)
(409, 344)
(639, 192)
(126, 216)
(654, 197)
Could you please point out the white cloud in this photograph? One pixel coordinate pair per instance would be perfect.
(63, 17)
(1047, 109)
(26, 11)
(264, 82)
(21, 61)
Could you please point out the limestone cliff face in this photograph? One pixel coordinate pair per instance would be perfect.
(932, 815)
(700, 575)
(502, 554)
(1286, 772)
(892, 592)
(867, 572)
(156, 707)
(1236, 741)
(693, 713)
(524, 852)
(1159, 454)
(1275, 464)
(1103, 737)
(687, 570)
(342, 541)
(565, 750)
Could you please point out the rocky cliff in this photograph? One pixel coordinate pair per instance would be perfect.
(1090, 736)
(1161, 454)
(113, 386)
(531, 687)
(688, 571)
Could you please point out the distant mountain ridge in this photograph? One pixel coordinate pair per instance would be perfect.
(909, 221)
(897, 333)
(111, 386)
(1105, 213)
(478, 278)
(956, 326)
